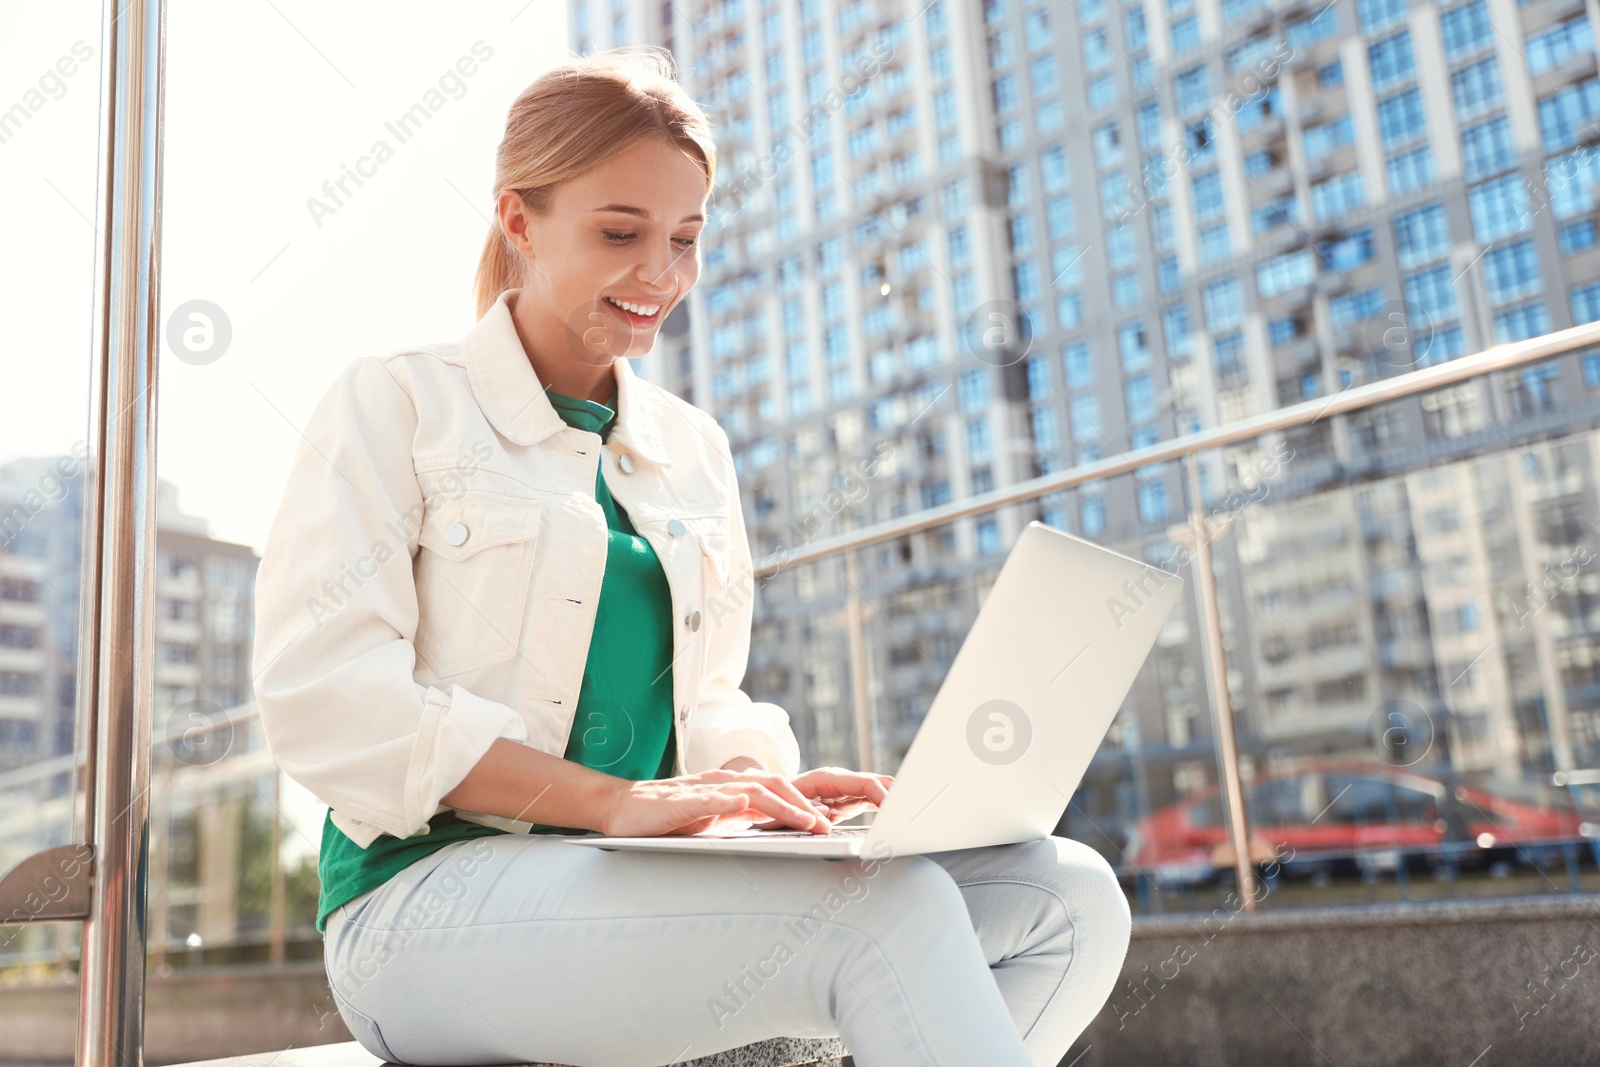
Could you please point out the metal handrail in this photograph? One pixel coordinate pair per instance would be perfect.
(1186, 447)
(1353, 398)
(34, 772)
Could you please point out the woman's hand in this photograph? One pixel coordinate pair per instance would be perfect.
(690, 803)
(843, 792)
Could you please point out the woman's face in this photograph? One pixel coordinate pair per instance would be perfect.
(627, 230)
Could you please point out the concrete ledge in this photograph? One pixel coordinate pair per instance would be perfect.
(1471, 983)
(1454, 983)
(188, 1015)
(780, 1052)
(1494, 909)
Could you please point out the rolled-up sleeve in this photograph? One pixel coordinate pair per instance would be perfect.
(727, 723)
(336, 614)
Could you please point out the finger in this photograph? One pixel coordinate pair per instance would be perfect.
(764, 801)
(833, 782)
(783, 787)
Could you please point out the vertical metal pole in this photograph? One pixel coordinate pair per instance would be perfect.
(865, 757)
(278, 917)
(160, 880)
(1221, 701)
(126, 328)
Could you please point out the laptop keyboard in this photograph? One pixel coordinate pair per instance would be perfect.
(838, 831)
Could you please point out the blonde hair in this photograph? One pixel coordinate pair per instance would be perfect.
(578, 115)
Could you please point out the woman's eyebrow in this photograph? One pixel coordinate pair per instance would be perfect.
(629, 209)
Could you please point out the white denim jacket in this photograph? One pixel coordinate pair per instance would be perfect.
(430, 580)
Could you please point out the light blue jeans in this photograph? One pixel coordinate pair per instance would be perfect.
(523, 948)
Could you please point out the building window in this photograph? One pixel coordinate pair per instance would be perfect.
(1577, 237)
(1421, 234)
(1391, 60)
(1476, 88)
(1431, 293)
(1563, 114)
(1586, 308)
(1093, 516)
(1499, 208)
(1185, 34)
(1410, 170)
(1466, 29)
(1224, 304)
(1214, 244)
(1348, 309)
(1511, 271)
(1085, 417)
(1208, 195)
(1125, 290)
(1328, 137)
(1175, 324)
(1075, 361)
(1152, 501)
(988, 538)
(1192, 89)
(1285, 272)
(1487, 147)
(1550, 48)
(1376, 14)
(1400, 117)
(1336, 195)
(1521, 322)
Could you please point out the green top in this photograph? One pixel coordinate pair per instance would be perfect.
(629, 667)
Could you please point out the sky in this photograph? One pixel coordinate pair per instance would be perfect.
(266, 100)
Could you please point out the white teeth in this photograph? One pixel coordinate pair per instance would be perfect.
(645, 310)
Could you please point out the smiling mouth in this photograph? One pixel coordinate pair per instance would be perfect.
(636, 316)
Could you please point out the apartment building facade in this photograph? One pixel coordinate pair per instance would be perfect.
(1177, 214)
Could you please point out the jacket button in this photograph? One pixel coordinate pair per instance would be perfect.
(456, 533)
(692, 620)
(676, 528)
(625, 461)
(683, 713)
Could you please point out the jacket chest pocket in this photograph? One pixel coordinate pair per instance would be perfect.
(713, 543)
(474, 564)
(709, 548)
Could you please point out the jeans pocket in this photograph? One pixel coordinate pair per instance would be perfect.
(364, 1029)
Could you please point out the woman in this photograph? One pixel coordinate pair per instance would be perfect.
(508, 595)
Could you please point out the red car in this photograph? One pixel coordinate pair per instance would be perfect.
(1329, 810)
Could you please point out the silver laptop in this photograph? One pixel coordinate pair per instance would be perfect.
(1053, 652)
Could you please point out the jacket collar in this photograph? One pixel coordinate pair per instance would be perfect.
(511, 395)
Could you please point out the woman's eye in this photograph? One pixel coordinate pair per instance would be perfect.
(618, 237)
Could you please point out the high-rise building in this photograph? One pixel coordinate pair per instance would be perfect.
(1186, 213)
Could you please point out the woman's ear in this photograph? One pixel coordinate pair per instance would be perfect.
(514, 221)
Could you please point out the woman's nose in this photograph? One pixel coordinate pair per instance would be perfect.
(660, 276)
